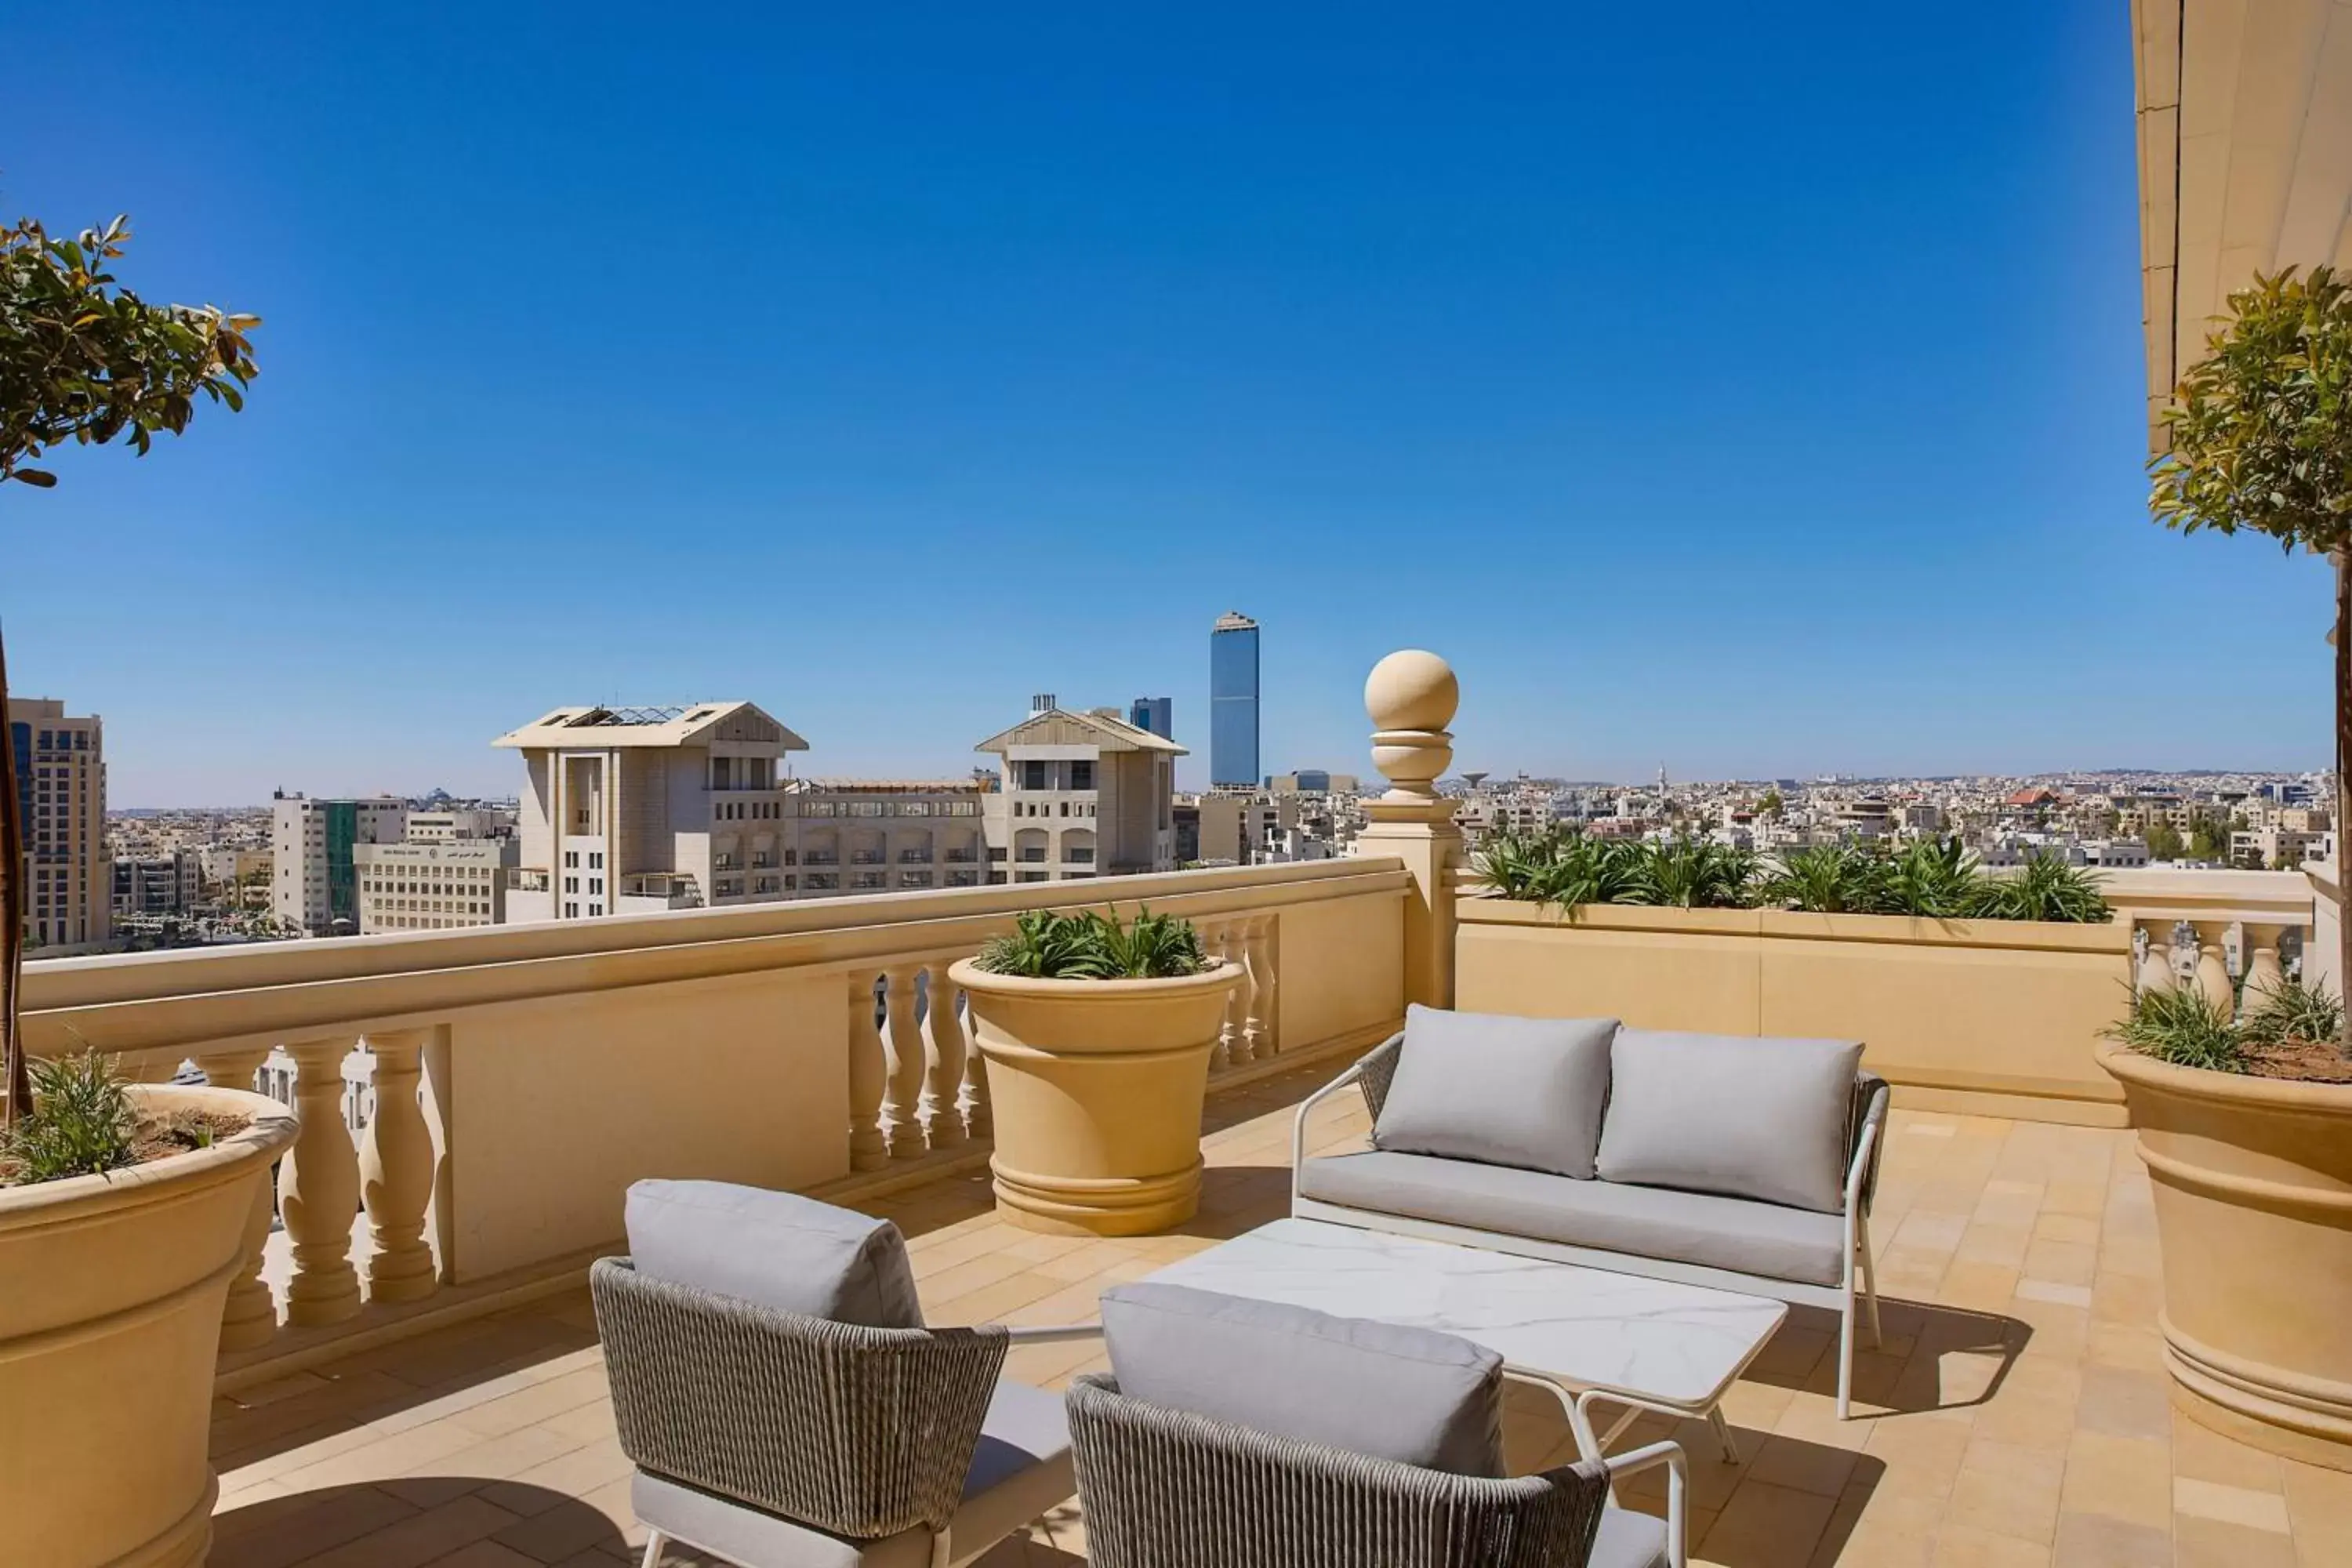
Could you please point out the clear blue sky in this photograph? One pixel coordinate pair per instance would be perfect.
(1751, 389)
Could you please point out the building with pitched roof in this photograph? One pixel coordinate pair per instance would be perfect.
(1085, 795)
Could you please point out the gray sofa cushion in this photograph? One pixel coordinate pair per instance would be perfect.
(1749, 1117)
(1739, 1235)
(1396, 1393)
(1509, 1092)
(778, 1250)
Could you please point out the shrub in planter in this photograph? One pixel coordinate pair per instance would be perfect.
(1096, 1037)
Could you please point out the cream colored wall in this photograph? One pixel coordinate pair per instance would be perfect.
(1327, 988)
(1996, 1017)
(555, 1106)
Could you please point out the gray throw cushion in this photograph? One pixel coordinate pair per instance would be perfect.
(777, 1250)
(1738, 1234)
(1509, 1091)
(1410, 1394)
(1749, 1117)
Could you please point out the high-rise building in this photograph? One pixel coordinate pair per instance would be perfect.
(1154, 715)
(433, 881)
(61, 802)
(1233, 702)
(170, 883)
(316, 885)
(1086, 795)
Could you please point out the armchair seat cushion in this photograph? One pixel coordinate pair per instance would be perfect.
(1629, 1539)
(1736, 1234)
(1021, 1470)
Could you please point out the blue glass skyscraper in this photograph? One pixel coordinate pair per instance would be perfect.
(1232, 700)
(1156, 714)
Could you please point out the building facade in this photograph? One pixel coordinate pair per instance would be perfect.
(315, 882)
(1084, 794)
(1155, 715)
(61, 802)
(875, 835)
(169, 884)
(1233, 702)
(432, 883)
(637, 810)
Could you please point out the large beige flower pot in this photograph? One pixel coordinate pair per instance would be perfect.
(2253, 1210)
(111, 1296)
(1096, 1086)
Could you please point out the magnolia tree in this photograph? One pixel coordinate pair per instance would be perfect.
(2261, 439)
(84, 360)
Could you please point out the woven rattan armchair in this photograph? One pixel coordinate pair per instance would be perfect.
(781, 1441)
(1167, 1489)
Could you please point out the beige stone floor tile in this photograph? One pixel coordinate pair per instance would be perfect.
(2006, 1489)
(1966, 1546)
(2126, 1403)
(2202, 1454)
(387, 1456)
(2096, 1541)
(485, 1554)
(424, 1539)
(527, 1405)
(2128, 1347)
(1979, 1287)
(1766, 1526)
(1803, 1466)
(2088, 1199)
(2319, 1505)
(1921, 1455)
(2128, 1479)
(431, 1483)
(2211, 1543)
(2241, 1506)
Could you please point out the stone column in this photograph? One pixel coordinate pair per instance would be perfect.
(1258, 992)
(2265, 973)
(1412, 697)
(907, 1065)
(2214, 965)
(978, 1122)
(318, 1187)
(251, 1316)
(1224, 941)
(869, 1076)
(944, 1054)
(396, 1172)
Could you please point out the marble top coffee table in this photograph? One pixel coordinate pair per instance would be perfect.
(1646, 1344)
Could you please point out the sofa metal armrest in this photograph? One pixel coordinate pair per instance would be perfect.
(1052, 1333)
(1375, 1068)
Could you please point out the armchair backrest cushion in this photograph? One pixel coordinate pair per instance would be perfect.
(1501, 1090)
(774, 1250)
(1747, 1118)
(1413, 1395)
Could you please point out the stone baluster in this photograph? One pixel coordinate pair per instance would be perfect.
(250, 1317)
(944, 1056)
(901, 1111)
(978, 1121)
(2156, 971)
(869, 1077)
(1257, 991)
(1266, 950)
(318, 1187)
(1233, 1033)
(2213, 966)
(2265, 973)
(396, 1172)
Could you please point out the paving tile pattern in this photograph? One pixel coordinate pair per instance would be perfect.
(2016, 1414)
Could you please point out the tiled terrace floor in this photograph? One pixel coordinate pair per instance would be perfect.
(2018, 1414)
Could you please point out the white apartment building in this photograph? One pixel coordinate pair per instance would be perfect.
(634, 810)
(157, 884)
(873, 836)
(433, 883)
(1085, 795)
(311, 842)
(61, 804)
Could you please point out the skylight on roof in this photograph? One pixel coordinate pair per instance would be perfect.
(603, 718)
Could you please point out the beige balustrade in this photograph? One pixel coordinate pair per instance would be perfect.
(2261, 907)
(396, 1171)
(738, 1044)
(318, 1187)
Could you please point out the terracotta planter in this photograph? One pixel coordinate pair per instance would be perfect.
(2253, 1210)
(111, 1296)
(1095, 1087)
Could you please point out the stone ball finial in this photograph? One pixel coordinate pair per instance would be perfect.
(1412, 689)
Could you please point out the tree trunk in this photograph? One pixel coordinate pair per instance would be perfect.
(18, 1100)
(2343, 794)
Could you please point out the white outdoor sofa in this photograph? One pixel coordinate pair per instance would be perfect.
(1742, 1163)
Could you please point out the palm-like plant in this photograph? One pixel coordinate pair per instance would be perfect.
(1827, 879)
(1046, 946)
(1692, 873)
(1933, 879)
(2290, 1012)
(2045, 889)
(2178, 1025)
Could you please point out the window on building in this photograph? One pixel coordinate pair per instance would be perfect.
(1032, 775)
(1082, 776)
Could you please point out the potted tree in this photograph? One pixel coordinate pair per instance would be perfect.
(1097, 1038)
(124, 1210)
(2249, 1144)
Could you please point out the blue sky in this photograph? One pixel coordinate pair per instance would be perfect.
(1752, 390)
